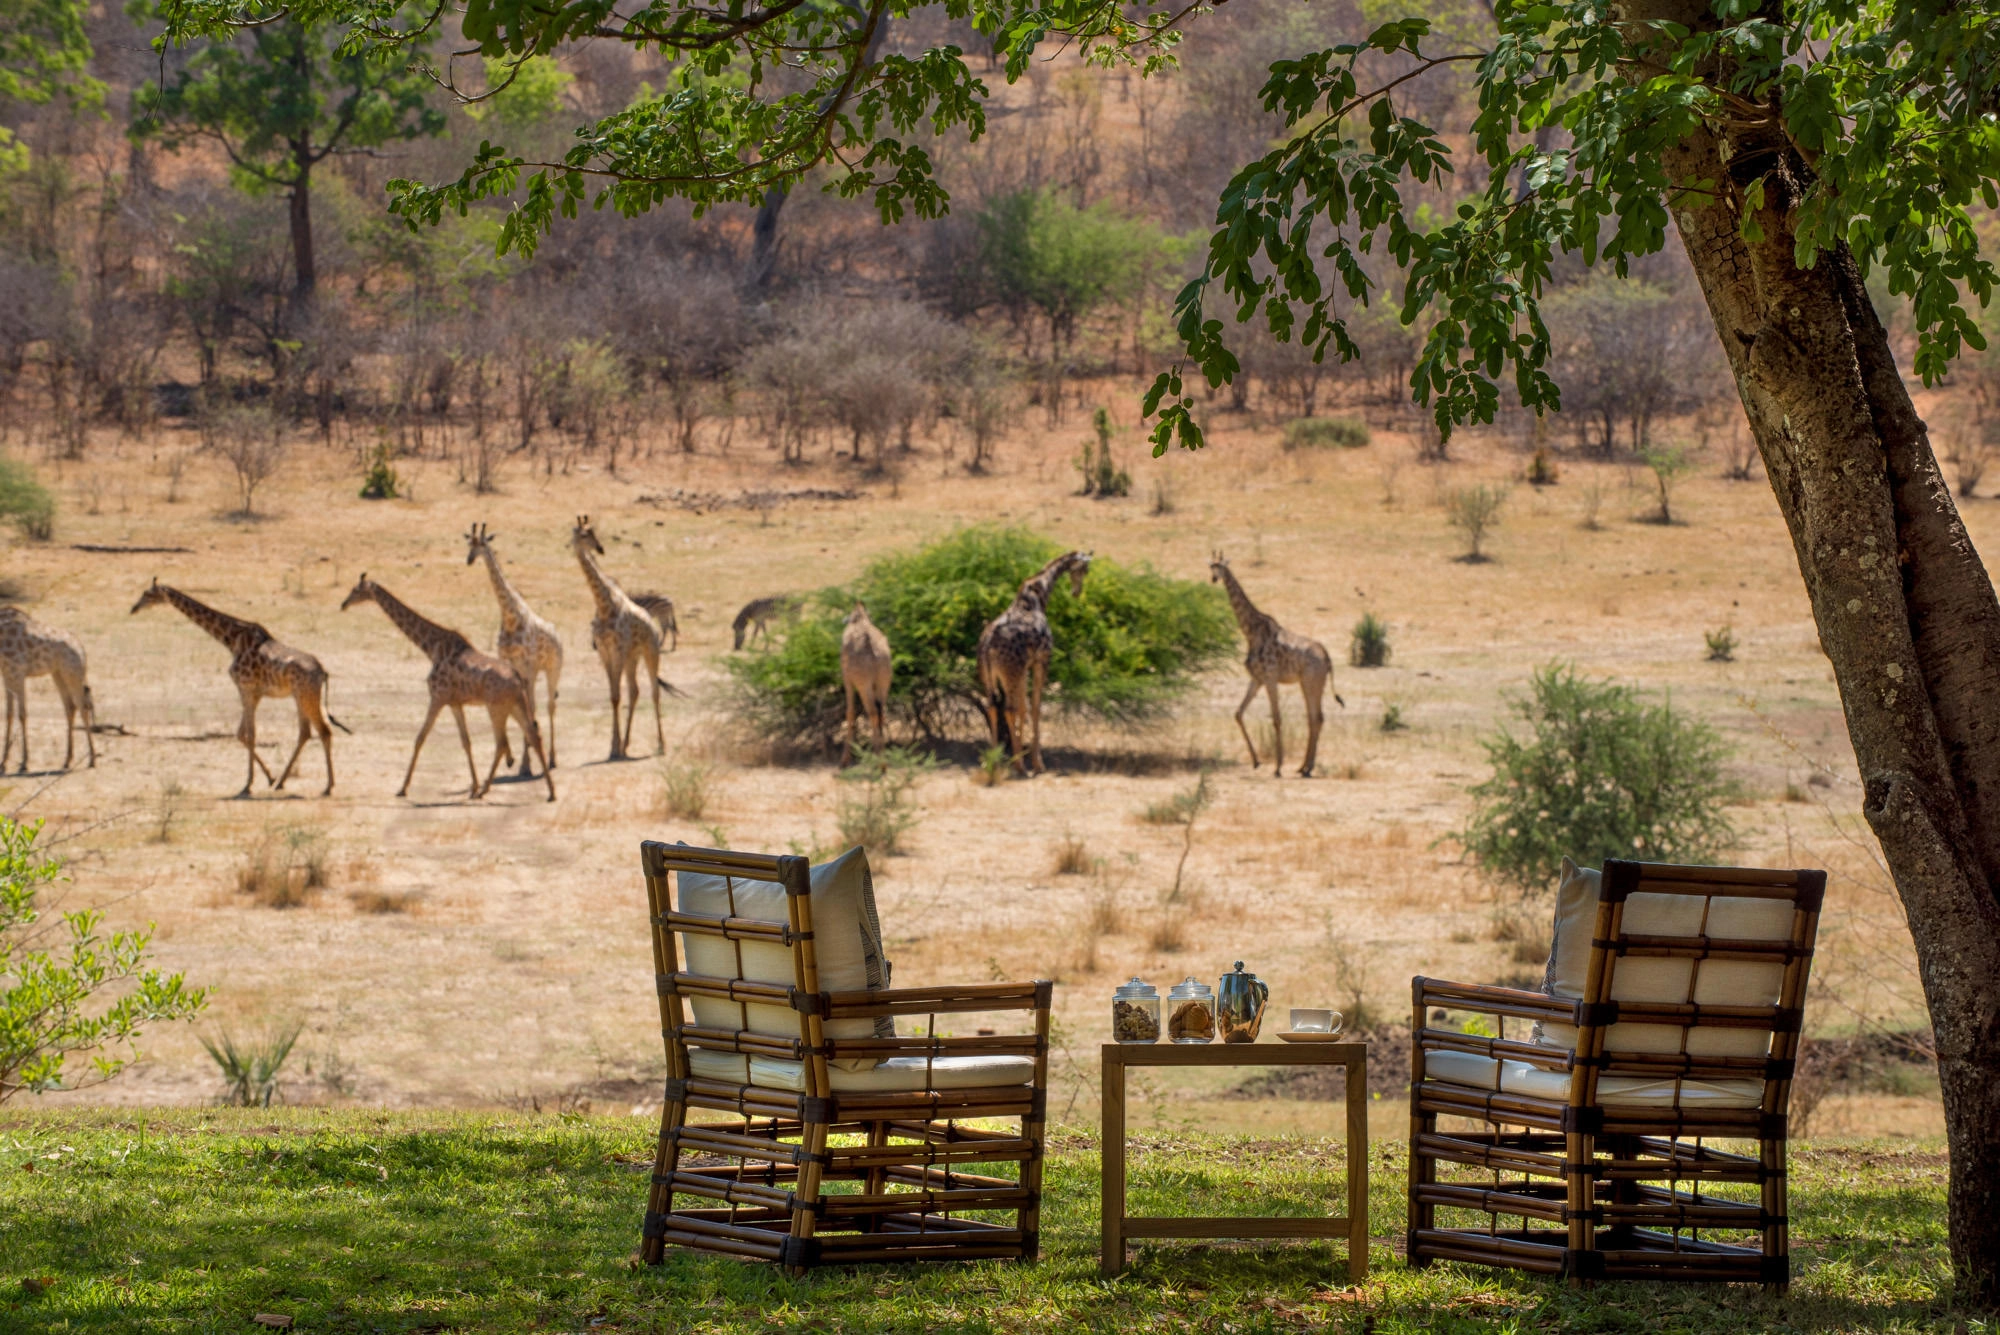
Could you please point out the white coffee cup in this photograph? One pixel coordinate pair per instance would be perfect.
(1311, 1021)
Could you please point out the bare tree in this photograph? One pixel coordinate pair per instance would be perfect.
(250, 439)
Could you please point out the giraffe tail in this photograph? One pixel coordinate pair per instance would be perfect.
(670, 688)
(326, 705)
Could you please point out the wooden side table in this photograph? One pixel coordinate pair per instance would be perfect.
(1120, 1227)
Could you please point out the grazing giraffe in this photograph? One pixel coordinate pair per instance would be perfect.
(262, 668)
(865, 665)
(526, 642)
(1014, 652)
(753, 620)
(460, 675)
(30, 649)
(1277, 658)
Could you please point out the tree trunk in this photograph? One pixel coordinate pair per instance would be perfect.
(305, 276)
(1905, 610)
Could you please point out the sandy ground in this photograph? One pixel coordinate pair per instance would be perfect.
(512, 965)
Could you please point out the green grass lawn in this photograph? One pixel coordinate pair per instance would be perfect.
(358, 1221)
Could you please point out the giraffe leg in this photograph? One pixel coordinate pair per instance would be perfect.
(1315, 719)
(527, 770)
(611, 670)
(881, 719)
(1014, 706)
(552, 728)
(1241, 727)
(534, 740)
(500, 713)
(246, 732)
(847, 694)
(7, 747)
(631, 703)
(465, 740)
(1038, 669)
(69, 730)
(422, 733)
(21, 704)
(88, 708)
(312, 719)
(659, 724)
(305, 735)
(1277, 732)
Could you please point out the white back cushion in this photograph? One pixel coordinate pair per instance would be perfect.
(847, 944)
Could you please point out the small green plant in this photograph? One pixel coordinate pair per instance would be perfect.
(1474, 511)
(1721, 645)
(1600, 773)
(1542, 470)
(994, 762)
(285, 867)
(1164, 500)
(25, 502)
(684, 788)
(250, 1068)
(379, 484)
(172, 798)
(1102, 477)
(56, 980)
(1181, 808)
(1321, 433)
(1369, 646)
(875, 810)
(1669, 463)
(1392, 718)
(1353, 980)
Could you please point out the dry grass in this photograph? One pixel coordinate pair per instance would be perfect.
(1071, 857)
(385, 901)
(285, 868)
(559, 882)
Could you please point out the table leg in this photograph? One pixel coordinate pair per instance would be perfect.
(1357, 1170)
(1112, 1153)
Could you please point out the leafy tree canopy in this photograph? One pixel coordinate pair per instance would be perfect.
(1131, 645)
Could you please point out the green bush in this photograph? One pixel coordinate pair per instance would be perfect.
(1601, 774)
(25, 502)
(379, 484)
(1369, 646)
(1124, 652)
(874, 810)
(1321, 433)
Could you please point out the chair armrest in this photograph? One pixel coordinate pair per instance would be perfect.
(1496, 1000)
(939, 1000)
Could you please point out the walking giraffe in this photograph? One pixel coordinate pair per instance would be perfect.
(262, 668)
(30, 649)
(526, 642)
(1277, 657)
(1014, 652)
(624, 635)
(865, 667)
(460, 675)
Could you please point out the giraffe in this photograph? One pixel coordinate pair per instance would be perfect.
(754, 619)
(624, 634)
(460, 675)
(865, 665)
(262, 668)
(1014, 654)
(30, 649)
(1277, 658)
(526, 642)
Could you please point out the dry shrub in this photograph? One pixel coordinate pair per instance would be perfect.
(684, 788)
(385, 901)
(1072, 857)
(1526, 928)
(285, 868)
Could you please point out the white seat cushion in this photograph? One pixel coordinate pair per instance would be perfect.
(847, 945)
(1613, 1091)
(896, 1075)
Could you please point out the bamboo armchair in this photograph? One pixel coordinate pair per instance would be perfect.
(1594, 1132)
(842, 1142)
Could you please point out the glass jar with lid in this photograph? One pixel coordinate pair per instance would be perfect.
(1191, 1012)
(1135, 1013)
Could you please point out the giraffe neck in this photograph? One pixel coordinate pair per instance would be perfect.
(608, 595)
(512, 609)
(437, 642)
(1035, 592)
(1247, 616)
(237, 634)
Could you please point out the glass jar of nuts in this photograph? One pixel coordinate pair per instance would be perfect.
(1191, 1012)
(1135, 1013)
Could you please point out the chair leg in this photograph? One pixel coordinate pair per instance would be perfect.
(1423, 1168)
(805, 1215)
(660, 1200)
(1580, 1193)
